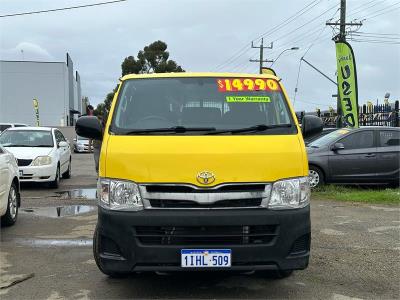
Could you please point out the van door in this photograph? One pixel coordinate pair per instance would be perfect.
(357, 162)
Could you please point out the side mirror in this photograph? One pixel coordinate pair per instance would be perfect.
(311, 126)
(89, 127)
(62, 144)
(337, 146)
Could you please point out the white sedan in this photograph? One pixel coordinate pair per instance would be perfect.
(43, 153)
(9, 188)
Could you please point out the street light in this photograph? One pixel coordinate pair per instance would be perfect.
(289, 49)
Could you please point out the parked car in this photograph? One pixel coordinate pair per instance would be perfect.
(81, 144)
(4, 126)
(324, 132)
(10, 199)
(368, 155)
(43, 154)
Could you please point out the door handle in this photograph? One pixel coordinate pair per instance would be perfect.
(370, 155)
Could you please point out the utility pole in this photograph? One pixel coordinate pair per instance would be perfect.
(261, 60)
(342, 23)
(341, 37)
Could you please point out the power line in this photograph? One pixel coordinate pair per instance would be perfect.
(366, 7)
(288, 33)
(287, 21)
(384, 12)
(307, 23)
(60, 9)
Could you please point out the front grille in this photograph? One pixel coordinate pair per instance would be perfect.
(219, 204)
(161, 188)
(186, 196)
(206, 235)
(24, 162)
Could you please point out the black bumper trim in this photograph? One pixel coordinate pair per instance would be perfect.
(119, 227)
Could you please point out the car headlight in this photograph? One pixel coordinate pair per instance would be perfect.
(41, 161)
(119, 194)
(290, 194)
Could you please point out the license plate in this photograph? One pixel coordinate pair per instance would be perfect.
(205, 258)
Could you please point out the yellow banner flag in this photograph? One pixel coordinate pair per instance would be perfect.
(36, 109)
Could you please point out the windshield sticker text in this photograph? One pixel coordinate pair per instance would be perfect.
(248, 99)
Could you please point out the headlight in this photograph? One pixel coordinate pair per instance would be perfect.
(290, 194)
(119, 194)
(41, 161)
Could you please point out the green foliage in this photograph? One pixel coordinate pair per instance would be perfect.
(357, 194)
(154, 58)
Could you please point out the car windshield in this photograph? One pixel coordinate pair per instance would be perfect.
(81, 138)
(329, 138)
(26, 138)
(197, 105)
(4, 127)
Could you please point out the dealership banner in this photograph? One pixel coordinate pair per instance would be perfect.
(347, 83)
(36, 109)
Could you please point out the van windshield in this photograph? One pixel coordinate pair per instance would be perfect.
(196, 103)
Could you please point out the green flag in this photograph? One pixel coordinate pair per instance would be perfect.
(347, 83)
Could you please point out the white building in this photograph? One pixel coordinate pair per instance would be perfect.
(53, 84)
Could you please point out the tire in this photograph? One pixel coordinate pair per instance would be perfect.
(67, 174)
(56, 182)
(277, 274)
(280, 274)
(316, 177)
(96, 255)
(12, 207)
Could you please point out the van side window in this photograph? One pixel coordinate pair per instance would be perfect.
(388, 138)
(358, 140)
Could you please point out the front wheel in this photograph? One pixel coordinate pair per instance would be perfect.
(56, 182)
(12, 207)
(67, 174)
(315, 176)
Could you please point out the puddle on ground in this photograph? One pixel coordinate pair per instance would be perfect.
(54, 242)
(60, 211)
(89, 194)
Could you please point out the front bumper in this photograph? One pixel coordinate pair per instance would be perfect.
(121, 250)
(37, 174)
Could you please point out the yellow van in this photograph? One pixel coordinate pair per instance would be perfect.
(201, 171)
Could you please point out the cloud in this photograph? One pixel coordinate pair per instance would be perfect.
(26, 51)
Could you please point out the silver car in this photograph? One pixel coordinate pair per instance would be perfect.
(81, 144)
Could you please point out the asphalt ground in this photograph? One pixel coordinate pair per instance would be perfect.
(355, 254)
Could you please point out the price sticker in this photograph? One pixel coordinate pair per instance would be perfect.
(247, 84)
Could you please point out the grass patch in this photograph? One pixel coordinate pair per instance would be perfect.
(357, 194)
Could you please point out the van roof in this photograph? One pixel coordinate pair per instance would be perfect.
(196, 74)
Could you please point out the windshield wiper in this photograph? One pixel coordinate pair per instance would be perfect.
(256, 128)
(175, 129)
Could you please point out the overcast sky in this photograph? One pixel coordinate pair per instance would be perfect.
(203, 34)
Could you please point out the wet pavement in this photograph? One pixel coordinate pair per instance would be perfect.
(59, 211)
(48, 255)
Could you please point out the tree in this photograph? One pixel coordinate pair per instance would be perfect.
(152, 59)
